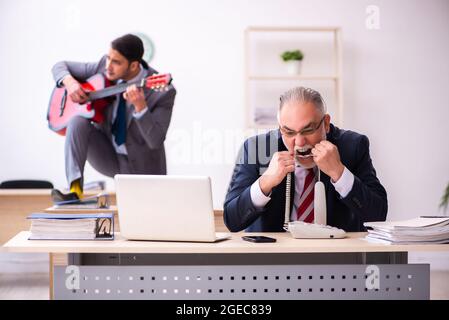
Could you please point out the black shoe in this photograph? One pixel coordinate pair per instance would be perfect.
(58, 196)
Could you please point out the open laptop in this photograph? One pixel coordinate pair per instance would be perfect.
(166, 208)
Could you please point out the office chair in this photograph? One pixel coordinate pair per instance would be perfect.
(26, 184)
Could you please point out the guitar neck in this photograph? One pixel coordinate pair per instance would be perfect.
(112, 91)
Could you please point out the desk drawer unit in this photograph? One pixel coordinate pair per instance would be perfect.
(222, 280)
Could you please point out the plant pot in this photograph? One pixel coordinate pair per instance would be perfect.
(293, 67)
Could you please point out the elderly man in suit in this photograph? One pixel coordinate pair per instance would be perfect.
(305, 143)
(131, 139)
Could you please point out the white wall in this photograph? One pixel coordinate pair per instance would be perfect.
(396, 81)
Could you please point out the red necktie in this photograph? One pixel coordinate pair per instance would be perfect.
(305, 207)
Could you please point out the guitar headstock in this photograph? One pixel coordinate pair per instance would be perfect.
(158, 82)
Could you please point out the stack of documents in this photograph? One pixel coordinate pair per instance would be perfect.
(48, 226)
(422, 230)
(99, 201)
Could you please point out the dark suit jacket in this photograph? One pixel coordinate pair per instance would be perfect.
(367, 200)
(145, 136)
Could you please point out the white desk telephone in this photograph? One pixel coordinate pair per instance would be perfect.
(304, 230)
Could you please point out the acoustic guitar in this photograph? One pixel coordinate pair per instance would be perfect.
(62, 109)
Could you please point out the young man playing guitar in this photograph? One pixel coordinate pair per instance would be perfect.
(130, 139)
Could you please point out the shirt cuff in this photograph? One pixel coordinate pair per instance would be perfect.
(138, 115)
(258, 198)
(345, 183)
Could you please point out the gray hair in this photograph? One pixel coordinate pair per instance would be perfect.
(303, 95)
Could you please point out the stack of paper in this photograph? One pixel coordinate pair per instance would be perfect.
(98, 201)
(70, 226)
(422, 230)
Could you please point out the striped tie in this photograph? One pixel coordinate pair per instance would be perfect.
(305, 207)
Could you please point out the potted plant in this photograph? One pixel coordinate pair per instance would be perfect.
(293, 60)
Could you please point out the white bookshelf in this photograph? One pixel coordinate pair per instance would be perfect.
(266, 77)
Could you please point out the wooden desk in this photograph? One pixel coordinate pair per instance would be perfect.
(355, 242)
(234, 269)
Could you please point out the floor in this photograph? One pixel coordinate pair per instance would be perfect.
(34, 286)
(18, 286)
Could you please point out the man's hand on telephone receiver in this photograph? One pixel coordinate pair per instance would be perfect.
(281, 164)
(327, 158)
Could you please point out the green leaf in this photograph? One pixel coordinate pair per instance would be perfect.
(292, 55)
(445, 199)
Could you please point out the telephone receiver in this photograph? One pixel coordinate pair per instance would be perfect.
(319, 229)
(319, 203)
(320, 209)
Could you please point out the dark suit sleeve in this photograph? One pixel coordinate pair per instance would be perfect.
(367, 198)
(81, 71)
(239, 211)
(153, 125)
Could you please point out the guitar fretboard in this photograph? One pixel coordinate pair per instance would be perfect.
(111, 91)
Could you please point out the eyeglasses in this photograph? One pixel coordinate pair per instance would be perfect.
(310, 129)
